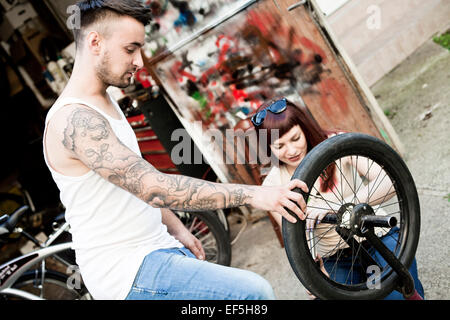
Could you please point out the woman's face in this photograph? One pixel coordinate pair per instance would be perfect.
(291, 148)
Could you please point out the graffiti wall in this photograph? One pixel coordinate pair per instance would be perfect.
(223, 76)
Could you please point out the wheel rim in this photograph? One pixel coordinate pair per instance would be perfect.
(53, 289)
(356, 279)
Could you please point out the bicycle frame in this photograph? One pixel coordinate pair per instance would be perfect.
(12, 270)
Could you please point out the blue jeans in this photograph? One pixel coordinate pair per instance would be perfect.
(176, 274)
(343, 272)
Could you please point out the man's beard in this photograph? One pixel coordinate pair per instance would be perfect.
(105, 75)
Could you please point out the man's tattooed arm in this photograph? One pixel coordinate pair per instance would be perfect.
(89, 137)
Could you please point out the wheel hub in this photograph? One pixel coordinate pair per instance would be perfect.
(344, 215)
(350, 216)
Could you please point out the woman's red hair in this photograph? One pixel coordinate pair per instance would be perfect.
(286, 120)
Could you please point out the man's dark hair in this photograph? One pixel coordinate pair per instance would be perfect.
(92, 11)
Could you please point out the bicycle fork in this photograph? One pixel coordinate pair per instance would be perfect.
(407, 281)
(361, 223)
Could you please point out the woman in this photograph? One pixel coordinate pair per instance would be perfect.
(298, 133)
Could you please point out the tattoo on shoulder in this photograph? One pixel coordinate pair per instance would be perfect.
(85, 124)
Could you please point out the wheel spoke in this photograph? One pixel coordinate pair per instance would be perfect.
(382, 201)
(326, 201)
(353, 263)
(201, 231)
(377, 186)
(384, 197)
(321, 198)
(341, 198)
(354, 181)
(366, 178)
(390, 204)
(322, 235)
(349, 185)
(338, 255)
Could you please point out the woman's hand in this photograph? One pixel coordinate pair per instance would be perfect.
(314, 216)
(317, 210)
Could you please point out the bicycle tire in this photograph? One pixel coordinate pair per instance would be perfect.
(55, 286)
(222, 215)
(295, 238)
(204, 225)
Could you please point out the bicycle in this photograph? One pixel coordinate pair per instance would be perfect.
(211, 232)
(20, 279)
(362, 225)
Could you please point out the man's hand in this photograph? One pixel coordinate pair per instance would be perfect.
(190, 242)
(179, 231)
(280, 197)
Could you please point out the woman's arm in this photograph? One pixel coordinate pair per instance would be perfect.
(379, 187)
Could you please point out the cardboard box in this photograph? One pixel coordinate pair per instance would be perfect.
(19, 14)
(8, 4)
(14, 81)
(6, 30)
(32, 35)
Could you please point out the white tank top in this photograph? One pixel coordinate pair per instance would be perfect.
(112, 230)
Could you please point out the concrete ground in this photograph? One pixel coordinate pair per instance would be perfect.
(416, 98)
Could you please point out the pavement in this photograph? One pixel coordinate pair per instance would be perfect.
(416, 98)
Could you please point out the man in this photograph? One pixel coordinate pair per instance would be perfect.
(128, 242)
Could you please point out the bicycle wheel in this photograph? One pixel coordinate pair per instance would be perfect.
(55, 287)
(340, 242)
(207, 227)
(222, 215)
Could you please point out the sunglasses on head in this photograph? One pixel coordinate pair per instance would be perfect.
(276, 107)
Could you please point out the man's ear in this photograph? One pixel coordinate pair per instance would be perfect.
(94, 42)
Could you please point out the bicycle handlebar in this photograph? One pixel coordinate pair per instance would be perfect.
(12, 221)
(3, 218)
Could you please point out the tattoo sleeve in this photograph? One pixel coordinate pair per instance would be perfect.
(89, 136)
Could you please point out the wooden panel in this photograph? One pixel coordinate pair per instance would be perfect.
(333, 100)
